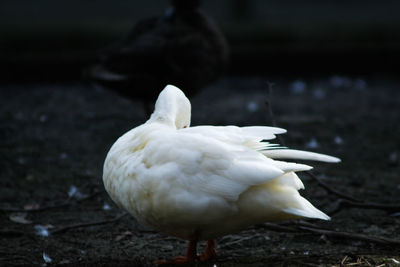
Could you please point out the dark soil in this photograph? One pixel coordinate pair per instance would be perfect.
(54, 138)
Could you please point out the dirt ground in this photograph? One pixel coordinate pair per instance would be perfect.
(54, 138)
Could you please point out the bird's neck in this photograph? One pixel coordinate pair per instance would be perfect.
(165, 112)
(164, 119)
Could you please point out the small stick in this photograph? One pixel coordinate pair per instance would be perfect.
(349, 201)
(331, 190)
(343, 203)
(347, 235)
(277, 228)
(301, 226)
(298, 223)
(80, 225)
(11, 209)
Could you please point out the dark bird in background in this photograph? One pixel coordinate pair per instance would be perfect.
(184, 48)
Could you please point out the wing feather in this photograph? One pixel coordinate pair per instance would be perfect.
(219, 164)
(298, 154)
(217, 168)
(235, 134)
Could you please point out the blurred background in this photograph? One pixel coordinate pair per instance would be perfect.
(53, 40)
(335, 89)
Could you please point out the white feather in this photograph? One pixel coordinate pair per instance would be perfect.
(298, 154)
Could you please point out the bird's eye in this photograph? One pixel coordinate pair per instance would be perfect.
(185, 126)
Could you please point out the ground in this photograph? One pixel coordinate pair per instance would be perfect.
(54, 138)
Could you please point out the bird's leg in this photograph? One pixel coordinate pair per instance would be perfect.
(191, 254)
(210, 252)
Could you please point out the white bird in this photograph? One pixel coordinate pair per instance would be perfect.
(203, 182)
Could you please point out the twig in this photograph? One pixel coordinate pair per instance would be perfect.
(346, 201)
(299, 223)
(301, 226)
(347, 235)
(343, 203)
(277, 228)
(11, 209)
(48, 207)
(80, 225)
(330, 189)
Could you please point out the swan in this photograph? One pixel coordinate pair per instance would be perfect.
(203, 182)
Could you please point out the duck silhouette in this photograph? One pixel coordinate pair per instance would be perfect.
(183, 47)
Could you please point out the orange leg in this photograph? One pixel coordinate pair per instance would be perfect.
(190, 257)
(210, 252)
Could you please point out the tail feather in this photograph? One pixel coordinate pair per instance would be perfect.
(306, 209)
(298, 154)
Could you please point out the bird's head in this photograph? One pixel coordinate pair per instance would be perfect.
(182, 8)
(172, 108)
(183, 5)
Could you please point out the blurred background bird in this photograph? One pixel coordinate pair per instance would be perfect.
(183, 47)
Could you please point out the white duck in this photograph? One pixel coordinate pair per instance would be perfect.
(199, 183)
